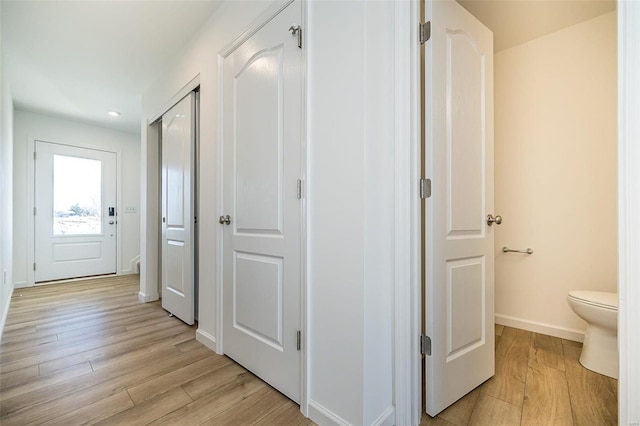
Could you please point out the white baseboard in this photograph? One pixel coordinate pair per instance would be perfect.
(322, 416)
(21, 284)
(133, 268)
(145, 298)
(387, 418)
(539, 327)
(206, 339)
(5, 311)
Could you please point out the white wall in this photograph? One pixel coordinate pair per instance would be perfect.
(6, 191)
(29, 126)
(350, 197)
(555, 174)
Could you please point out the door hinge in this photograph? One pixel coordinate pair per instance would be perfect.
(299, 192)
(34, 155)
(297, 29)
(425, 345)
(298, 340)
(34, 266)
(424, 31)
(425, 188)
(34, 211)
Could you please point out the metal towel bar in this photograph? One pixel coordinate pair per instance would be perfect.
(506, 249)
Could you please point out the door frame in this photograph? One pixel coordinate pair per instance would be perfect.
(407, 383)
(31, 200)
(151, 182)
(628, 211)
(257, 24)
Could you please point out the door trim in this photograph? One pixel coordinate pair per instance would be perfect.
(150, 153)
(256, 25)
(628, 211)
(31, 196)
(407, 292)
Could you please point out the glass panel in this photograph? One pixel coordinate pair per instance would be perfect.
(77, 196)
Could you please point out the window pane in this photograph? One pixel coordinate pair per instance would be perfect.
(77, 196)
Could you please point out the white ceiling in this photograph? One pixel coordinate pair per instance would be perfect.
(515, 22)
(78, 59)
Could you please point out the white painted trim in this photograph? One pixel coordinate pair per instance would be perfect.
(407, 223)
(184, 91)
(255, 26)
(305, 355)
(145, 298)
(540, 327)
(133, 266)
(206, 339)
(5, 311)
(628, 212)
(31, 170)
(323, 416)
(20, 284)
(387, 418)
(221, 210)
(259, 22)
(31, 145)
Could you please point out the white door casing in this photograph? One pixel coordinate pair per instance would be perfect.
(72, 243)
(459, 306)
(178, 212)
(262, 134)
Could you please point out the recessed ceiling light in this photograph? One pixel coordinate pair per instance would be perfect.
(113, 113)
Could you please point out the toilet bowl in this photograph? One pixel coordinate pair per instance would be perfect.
(600, 347)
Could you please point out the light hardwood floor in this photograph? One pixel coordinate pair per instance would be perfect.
(88, 352)
(538, 381)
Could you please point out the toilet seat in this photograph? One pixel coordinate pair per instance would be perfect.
(600, 299)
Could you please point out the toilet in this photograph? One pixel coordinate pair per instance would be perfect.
(600, 347)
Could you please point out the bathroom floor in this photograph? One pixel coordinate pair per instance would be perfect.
(538, 381)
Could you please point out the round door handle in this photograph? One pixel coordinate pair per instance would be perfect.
(224, 220)
(491, 220)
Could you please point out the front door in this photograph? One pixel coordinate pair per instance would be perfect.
(262, 116)
(75, 212)
(459, 250)
(178, 212)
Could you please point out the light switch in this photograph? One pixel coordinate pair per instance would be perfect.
(129, 209)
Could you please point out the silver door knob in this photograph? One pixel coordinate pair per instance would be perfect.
(224, 220)
(491, 220)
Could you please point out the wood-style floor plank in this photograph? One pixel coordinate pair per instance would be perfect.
(533, 387)
(89, 352)
(491, 411)
(546, 350)
(512, 357)
(593, 400)
(546, 397)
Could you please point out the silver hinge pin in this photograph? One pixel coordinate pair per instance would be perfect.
(425, 32)
(299, 189)
(425, 188)
(425, 345)
(298, 340)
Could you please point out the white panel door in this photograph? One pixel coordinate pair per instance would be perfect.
(261, 241)
(459, 251)
(75, 228)
(178, 213)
